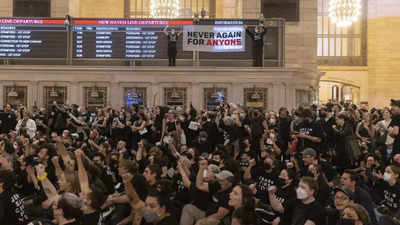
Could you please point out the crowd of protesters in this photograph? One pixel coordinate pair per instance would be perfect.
(334, 164)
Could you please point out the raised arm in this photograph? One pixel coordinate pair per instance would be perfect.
(165, 30)
(275, 204)
(82, 173)
(184, 175)
(200, 184)
(48, 187)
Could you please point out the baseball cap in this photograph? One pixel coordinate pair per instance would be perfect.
(203, 134)
(224, 174)
(214, 168)
(345, 191)
(309, 152)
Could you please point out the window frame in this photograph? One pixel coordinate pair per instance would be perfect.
(324, 39)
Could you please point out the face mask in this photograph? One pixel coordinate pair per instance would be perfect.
(347, 222)
(280, 182)
(387, 177)
(301, 193)
(150, 216)
(272, 121)
(267, 166)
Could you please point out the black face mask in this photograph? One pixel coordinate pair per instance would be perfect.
(322, 115)
(267, 166)
(280, 182)
(309, 174)
(347, 222)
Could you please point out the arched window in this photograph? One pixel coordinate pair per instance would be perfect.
(341, 46)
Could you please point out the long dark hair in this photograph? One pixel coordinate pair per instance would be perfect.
(248, 201)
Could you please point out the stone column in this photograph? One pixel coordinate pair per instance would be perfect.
(75, 93)
(115, 94)
(237, 92)
(198, 92)
(279, 91)
(157, 94)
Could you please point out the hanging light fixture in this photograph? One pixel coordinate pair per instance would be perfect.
(255, 95)
(344, 12)
(94, 93)
(53, 93)
(164, 8)
(175, 94)
(13, 93)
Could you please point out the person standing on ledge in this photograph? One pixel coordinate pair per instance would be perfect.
(172, 39)
(258, 44)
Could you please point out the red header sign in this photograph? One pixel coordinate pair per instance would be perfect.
(23, 21)
(133, 22)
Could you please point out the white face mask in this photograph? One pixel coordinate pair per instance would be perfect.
(387, 177)
(301, 193)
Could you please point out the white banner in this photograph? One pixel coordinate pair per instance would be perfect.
(214, 38)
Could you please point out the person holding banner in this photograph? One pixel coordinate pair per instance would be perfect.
(258, 44)
(172, 39)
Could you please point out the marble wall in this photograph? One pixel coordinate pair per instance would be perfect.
(281, 83)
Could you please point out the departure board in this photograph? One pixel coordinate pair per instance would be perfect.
(33, 38)
(124, 39)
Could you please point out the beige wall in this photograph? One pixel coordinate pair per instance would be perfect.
(6, 8)
(101, 8)
(59, 8)
(383, 51)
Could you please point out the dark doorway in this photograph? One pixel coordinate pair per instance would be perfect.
(31, 8)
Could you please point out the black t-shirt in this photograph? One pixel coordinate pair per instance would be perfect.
(200, 199)
(219, 199)
(172, 38)
(309, 129)
(169, 220)
(12, 209)
(93, 218)
(300, 213)
(390, 194)
(264, 181)
(182, 192)
(74, 223)
(284, 196)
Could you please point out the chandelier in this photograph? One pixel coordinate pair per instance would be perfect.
(164, 8)
(344, 12)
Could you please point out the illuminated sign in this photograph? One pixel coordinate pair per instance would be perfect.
(33, 38)
(134, 39)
